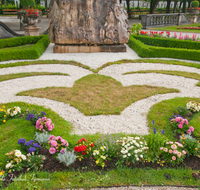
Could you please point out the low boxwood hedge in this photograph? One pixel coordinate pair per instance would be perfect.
(144, 50)
(40, 45)
(168, 42)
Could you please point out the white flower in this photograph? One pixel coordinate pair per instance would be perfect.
(129, 154)
(8, 165)
(23, 157)
(96, 152)
(15, 113)
(141, 156)
(137, 159)
(137, 138)
(8, 111)
(136, 151)
(18, 154)
(124, 156)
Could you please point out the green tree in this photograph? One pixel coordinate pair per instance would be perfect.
(27, 3)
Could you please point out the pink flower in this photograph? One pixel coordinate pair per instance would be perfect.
(188, 131)
(51, 137)
(54, 143)
(41, 126)
(180, 126)
(44, 119)
(52, 150)
(38, 122)
(48, 123)
(170, 142)
(173, 157)
(182, 122)
(174, 147)
(37, 127)
(161, 148)
(175, 151)
(170, 151)
(49, 128)
(186, 121)
(178, 119)
(184, 152)
(191, 129)
(66, 143)
(52, 126)
(63, 150)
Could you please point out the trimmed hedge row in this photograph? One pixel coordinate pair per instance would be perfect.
(41, 43)
(18, 41)
(167, 42)
(144, 50)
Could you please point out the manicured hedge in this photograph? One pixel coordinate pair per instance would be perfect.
(144, 50)
(168, 42)
(41, 43)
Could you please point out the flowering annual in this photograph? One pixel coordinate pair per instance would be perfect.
(14, 111)
(3, 115)
(43, 124)
(57, 145)
(132, 148)
(193, 106)
(100, 156)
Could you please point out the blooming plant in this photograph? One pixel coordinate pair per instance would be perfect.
(43, 124)
(3, 115)
(33, 116)
(15, 160)
(29, 146)
(14, 111)
(193, 106)
(58, 145)
(31, 13)
(173, 152)
(100, 156)
(155, 140)
(180, 125)
(191, 145)
(83, 148)
(132, 149)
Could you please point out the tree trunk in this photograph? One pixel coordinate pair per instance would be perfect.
(138, 4)
(168, 6)
(189, 3)
(120, 1)
(175, 4)
(46, 8)
(180, 5)
(184, 6)
(128, 8)
(5, 3)
(153, 6)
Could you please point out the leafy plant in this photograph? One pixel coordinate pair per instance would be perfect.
(33, 116)
(42, 138)
(68, 157)
(29, 146)
(191, 145)
(136, 28)
(100, 156)
(195, 3)
(14, 112)
(183, 111)
(155, 140)
(193, 106)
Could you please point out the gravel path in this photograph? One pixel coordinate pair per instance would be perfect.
(132, 119)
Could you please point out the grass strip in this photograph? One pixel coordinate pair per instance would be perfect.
(118, 177)
(177, 73)
(21, 75)
(98, 94)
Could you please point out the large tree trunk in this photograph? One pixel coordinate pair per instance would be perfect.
(184, 6)
(153, 6)
(168, 6)
(46, 8)
(128, 8)
(175, 4)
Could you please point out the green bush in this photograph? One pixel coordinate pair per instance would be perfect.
(32, 53)
(27, 3)
(144, 50)
(9, 6)
(43, 9)
(195, 4)
(167, 42)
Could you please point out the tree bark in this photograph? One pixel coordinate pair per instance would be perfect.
(46, 8)
(175, 4)
(184, 6)
(168, 6)
(153, 6)
(128, 8)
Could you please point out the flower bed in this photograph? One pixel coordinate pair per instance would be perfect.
(40, 45)
(107, 152)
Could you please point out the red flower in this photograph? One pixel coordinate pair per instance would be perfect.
(83, 153)
(83, 139)
(92, 145)
(82, 147)
(76, 149)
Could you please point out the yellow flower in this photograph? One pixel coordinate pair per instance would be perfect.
(196, 148)
(197, 141)
(103, 165)
(4, 115)
(183, 142)
(3, 106)
(4, 120)
(97, 161)
(1, 109)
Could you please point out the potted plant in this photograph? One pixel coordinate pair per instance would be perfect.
(194, 9)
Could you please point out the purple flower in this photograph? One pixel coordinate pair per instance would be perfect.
(153, 122)
(154, 130)
(30, 116)
(43, 113)
(21, 141)
(163, 131)
(28, 143)
(63, 150)
(31, 141)
(32, 149)
(36, 145)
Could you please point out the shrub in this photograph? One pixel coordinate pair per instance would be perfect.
(40, 45)
(68, 157)
(42, 138)
(195, 3)
(43, 124)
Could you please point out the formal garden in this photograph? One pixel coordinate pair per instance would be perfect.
(77, 124)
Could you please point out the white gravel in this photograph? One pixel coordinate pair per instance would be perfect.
(131, 120)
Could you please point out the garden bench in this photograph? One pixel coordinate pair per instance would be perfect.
(10, 11)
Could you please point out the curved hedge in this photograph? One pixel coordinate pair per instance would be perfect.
(144, 50)
(40, 45)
